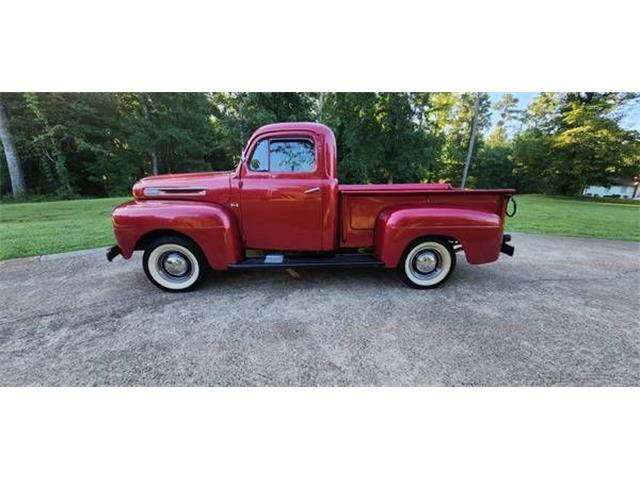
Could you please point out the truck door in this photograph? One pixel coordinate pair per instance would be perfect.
(281, 195)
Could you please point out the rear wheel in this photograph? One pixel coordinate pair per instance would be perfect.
(174, 263)
(427, 263)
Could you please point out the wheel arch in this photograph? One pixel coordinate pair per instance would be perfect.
(144, 241)
(426, 237)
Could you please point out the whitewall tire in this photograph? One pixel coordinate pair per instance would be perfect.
(427, 263)
(175, 264)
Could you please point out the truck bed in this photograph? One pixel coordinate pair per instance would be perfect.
(360, 205)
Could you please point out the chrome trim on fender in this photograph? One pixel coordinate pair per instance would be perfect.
(161, 191)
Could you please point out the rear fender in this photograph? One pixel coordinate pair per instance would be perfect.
(212, 227)
(479, 233)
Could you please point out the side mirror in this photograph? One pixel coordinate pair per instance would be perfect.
(255, 165)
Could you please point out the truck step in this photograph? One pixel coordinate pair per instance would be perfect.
(295, 261)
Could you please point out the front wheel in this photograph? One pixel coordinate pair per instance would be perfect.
(174, 263)
(427, 263)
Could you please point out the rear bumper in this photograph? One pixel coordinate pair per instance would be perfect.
(505, 247)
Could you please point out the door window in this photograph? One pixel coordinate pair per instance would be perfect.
(283, 156)
(260, 159)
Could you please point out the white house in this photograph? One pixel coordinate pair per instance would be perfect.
(620, 188)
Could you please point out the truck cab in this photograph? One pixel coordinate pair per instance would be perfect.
(282, 207)
(285, 188)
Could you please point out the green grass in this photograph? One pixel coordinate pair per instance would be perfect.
(576, 218)
(28, 229)
(50, 227)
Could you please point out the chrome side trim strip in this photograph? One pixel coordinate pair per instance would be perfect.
(163, 191)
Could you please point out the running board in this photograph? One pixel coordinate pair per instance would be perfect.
(282, 261)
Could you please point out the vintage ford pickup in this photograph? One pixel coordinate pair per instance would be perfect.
(282, 207)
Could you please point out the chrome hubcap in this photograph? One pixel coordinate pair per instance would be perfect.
(175, 264)
(426, 262)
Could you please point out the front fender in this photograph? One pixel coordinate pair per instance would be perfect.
(212, 227)
(479, 233)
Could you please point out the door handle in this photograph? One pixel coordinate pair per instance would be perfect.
(312, 190)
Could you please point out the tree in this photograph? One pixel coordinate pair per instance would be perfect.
(457, 129)
(49, 139)
(352, 119)
(97, 144)
(595, 146)
(143, 100)
(533, 162)
(236, 115)
(13, 162)
(399, 138)
(472, 139)
(494, 166)
(509, 113)
(576, 139)
(383, 137)
(167, 132)
(429, 139)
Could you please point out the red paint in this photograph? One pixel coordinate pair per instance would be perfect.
(360, 211)
(228, 212)
(479, 232)
(269, 202)
(215, 186)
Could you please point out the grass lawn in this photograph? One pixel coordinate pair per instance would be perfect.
(50, 227)
(575, 218)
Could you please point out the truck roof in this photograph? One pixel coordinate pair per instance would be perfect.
(317, 128)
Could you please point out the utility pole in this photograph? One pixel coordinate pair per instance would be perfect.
(472, 140)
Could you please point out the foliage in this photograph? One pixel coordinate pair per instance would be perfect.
(458, 133)
(575, 139)
(383, 137)
(98, 144)
(235, 116)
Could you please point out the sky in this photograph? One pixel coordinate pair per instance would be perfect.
(631, 120)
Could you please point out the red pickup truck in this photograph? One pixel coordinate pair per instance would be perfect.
(282, 207)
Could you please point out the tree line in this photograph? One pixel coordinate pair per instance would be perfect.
(98, 144)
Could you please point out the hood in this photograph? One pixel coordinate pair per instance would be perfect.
(206, 186)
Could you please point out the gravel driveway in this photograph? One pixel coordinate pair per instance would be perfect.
(563, 311)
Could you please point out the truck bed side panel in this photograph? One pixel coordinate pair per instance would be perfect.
(359, 210)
